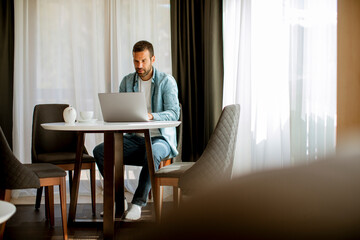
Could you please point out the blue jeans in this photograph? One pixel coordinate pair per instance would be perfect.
(135, 154)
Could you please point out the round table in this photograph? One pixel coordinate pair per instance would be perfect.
(113, 160)
(6, 211)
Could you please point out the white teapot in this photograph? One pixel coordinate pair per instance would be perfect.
(69, 115)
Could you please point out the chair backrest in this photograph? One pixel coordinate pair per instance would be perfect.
(179, 136)
(215, 164)
(14, 175)
(44, 141)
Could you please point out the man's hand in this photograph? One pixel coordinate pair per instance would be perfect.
(151, 117)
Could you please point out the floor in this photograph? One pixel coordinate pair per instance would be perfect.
(28, 223)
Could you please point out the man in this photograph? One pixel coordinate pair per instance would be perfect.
(161, 95)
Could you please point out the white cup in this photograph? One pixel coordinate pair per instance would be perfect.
(86, 115)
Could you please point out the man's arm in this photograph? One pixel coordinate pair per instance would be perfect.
(170, 102)
(122, 87)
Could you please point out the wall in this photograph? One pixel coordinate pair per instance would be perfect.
(348, 76)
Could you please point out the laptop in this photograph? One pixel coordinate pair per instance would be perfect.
(123, 107)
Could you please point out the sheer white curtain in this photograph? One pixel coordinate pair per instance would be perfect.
(131, 21)
(68, 51)
(135, 20)
(60, 57)
(280, 66)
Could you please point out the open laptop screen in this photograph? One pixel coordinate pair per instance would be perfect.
(123, 107)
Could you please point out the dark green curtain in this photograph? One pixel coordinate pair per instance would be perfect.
(197, 62)
(6, 66)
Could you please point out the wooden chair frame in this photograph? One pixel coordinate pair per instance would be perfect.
(70, 167)
(65, 166)
(48, 183)
(160, 182)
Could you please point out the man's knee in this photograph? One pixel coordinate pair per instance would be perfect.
(161, 150)
(99, 152)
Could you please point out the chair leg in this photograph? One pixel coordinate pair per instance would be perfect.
(62, 190)
(160, 199)
(47, 211)
(5, 195)
(157, 200)
(49, 203)
(38, 197)
(70, 173)
(93, 193)
(2, 230)
(163, 164)
(176, 196)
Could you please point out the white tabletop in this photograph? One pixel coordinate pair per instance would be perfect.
(107, 126)
(6, 211)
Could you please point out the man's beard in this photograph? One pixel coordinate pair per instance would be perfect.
(143, 74)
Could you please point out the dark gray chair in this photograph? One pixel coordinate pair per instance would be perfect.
(57, 147)
(15, 175)
(212, 168)
(179, 135)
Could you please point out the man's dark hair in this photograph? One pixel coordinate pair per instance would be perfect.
(142, 46)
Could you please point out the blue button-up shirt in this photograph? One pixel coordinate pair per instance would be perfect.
(164, 101)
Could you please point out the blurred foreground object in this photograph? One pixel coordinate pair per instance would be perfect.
(320, 200)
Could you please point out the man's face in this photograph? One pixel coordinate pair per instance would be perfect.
(143, 64)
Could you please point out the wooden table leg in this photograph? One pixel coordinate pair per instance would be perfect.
(150, 159)
(76, 180)
(119, 174)
(109, 196)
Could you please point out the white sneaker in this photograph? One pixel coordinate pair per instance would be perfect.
(125, 205)
(134, 212)
(125, 208)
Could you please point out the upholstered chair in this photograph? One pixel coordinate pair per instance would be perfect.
(212, 168)
(15, 175)
(57, 147)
